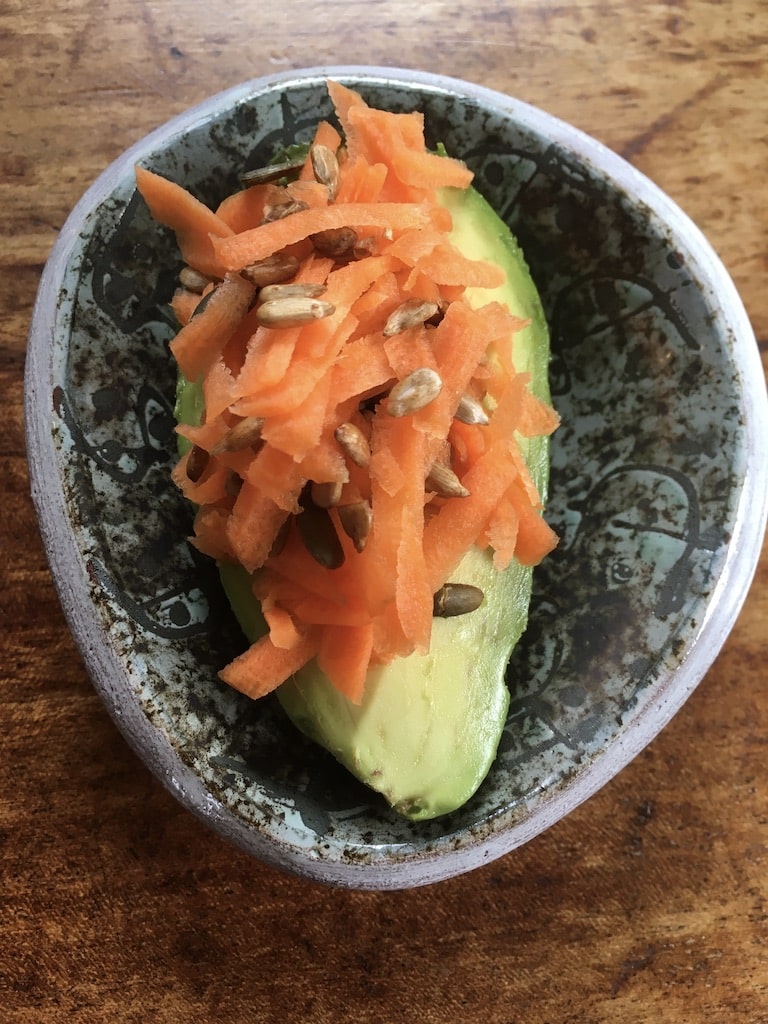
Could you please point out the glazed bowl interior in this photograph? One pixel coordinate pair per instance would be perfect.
(654, 373)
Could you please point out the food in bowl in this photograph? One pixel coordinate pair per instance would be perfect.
(364, 411)
(658, 483)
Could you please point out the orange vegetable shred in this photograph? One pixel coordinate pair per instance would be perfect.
(360, 591)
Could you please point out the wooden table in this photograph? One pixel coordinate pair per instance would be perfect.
(648, 904)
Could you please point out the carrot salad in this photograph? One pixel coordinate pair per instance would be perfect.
(362, 419)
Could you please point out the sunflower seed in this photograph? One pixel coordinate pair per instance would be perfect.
(412, 313)
(271, 270)
(353, 443)
(197, 460)
(296, 289)
(233, 483)
(436, 319)
(325, 166)
(356, 519)
(280, 537)
(326, 495)
(193, 280)
(335, 242)
(456, 599)
(272, 172)
(200, 307)
(244, 434)
(363, 247)
(319, 536)
(292, 312)
(413, 392)
(469, 410)
(443, 481)
(282, 210)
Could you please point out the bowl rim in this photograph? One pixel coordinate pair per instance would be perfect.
(449, 855)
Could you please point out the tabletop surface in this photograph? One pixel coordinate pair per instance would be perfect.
(648, 903)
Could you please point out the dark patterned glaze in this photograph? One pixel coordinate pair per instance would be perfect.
(651, 471)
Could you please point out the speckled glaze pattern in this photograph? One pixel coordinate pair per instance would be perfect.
(654, 373)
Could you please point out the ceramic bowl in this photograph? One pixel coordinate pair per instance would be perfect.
(658, 490)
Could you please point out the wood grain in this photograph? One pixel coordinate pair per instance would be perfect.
(650, 902)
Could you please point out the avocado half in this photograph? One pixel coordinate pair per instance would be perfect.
(428, 727)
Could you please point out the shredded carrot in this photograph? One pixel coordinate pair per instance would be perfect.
(344, 655)
(209, 489)
(304, 380)
(445, 266)
(264, 666)
(218, 389)
(502, 533)
(244, 209)
(313, 608)
(194, 224)
(395, 141)
(456, 526)
(277, 476)
(432, 255)
(253, 525)
(184, 304)
(317, 346)
(199, 343)
(362, 182)
(362, 369)
(325, 463)
(238, 251)
(283, 631)
(535, 537)
(299, 430)
(210, 533)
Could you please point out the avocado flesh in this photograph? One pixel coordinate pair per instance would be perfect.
(428, 727)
